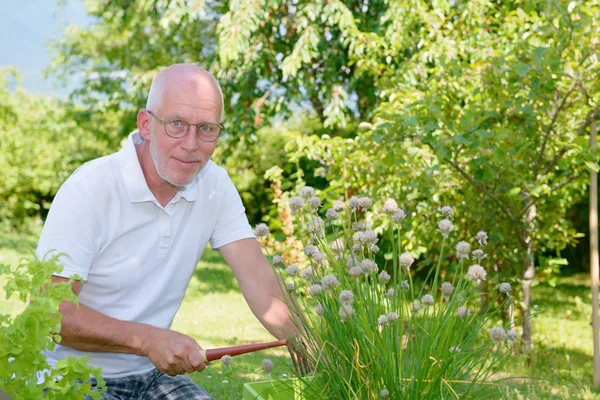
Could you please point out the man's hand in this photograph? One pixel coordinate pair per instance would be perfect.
(172, 352)
(298, 353)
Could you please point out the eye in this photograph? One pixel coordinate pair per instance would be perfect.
(206, 128)
(175, 124)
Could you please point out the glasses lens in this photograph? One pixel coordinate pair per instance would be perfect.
(177, 128)
(209, 132)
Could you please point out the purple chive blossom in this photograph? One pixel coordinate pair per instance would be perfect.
(356, 248)
(382, 320)
(315, 289)
(355, 272)
(390, 293)
(226, 360)
(307, 273)
(476, 273)
(390, 207)
(374, 248)
(277, 260)
(447, 211)
(289, 286)
(482, 238)
(384, 393)
(463, 249)
(347, 297)
(310, 250)
(316, 226)
(307, 192)
(497, 334)
(359, 226)
(296, 203)
(478, 255)
(354, 203)
(384, 277)
(404, 285)
(505, 288)
(427, 300)
(445, 227)
(319, 309)
(392, 316)
(261, 230)
(331, 214)
(368, 266)
(338, 205)
(329, 282)
(314, 202)
(511, 336)
(399, 216)
(318, 257)
(463, 312)
(292, 270)
(365, 203)
(415, 306)
(345, 312)
(406, 260)
(368, 237)
(267, 365)
(447, 290)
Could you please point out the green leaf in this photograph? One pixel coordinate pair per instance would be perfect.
(523, 69)
(593, 166)
(514, 191)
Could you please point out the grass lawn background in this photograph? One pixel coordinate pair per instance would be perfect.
(216, 315)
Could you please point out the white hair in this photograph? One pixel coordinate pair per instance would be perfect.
(157, 88)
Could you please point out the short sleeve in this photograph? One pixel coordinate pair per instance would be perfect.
(71, 228)
(232, 223)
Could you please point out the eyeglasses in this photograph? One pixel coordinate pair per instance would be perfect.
(177, 129)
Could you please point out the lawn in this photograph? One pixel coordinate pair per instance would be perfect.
(215, 314)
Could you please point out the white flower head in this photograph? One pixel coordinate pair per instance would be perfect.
(392, 316)
(355, 272)
(296, 203)
(390, 293)
(359, 226)
(368, 237)
(316, 226)
(384, 393)
(307, 273)
(382, 320)
(267, 365)
(277, 259)
(354, 203)
(319, 309)
(404, 285)
(505, 288)
(317, 257)
(476, 273)
(497, 334)
(399, 216)
(427, 300)
(331, 214)
(511, 336)
(261, 230)
(329, 281)
(447, 290)
(365, 203)
(390, 207)
(292, 270)
(478, 255)
(347, 297)
(406, 260)
(415, 306)
(289, 286)
(337, 246)
(338, 205)
(463, 312)
(345, 312)
(445, 227)
(462, 249)
(374, 248)
(482, 238)
(315, 289)
(310, 250)
(226, 360)
(307, 192)
(384, 277)
(314, 202)
(368, 266)
(447, 211)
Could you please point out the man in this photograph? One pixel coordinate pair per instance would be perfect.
(134, 225)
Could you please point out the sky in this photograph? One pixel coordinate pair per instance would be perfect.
(27, 26)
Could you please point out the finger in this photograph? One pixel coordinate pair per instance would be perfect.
(196, 361)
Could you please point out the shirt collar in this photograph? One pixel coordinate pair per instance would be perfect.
(133, 176)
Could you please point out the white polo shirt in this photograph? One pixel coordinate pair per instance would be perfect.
(135, 256)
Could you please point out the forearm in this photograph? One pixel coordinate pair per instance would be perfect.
(85, 329)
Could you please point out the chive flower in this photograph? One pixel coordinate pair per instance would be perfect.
(406, 260)
(226, 360)
(307, 192)
(476, 273)
(478, 255)
(315, 289)
(261, 230)
(505, 288)
(447, 290)
(384, 277)
(267, 365)
(462, 249)
(497, 334)
(307, 273)
(447, 211)
(445, 227)
(427, 300)
(390, 207)
(463, 312)
(292, 270)
(482, 238)
(399, 216)
(347, 297)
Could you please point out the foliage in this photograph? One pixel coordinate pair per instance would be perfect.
(24, 337)
(372, 336)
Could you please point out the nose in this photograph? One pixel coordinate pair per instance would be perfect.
(190, 142)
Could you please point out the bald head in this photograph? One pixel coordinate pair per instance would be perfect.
(183, 77)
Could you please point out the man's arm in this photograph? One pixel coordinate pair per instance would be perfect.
(260, 287)
(85, 329)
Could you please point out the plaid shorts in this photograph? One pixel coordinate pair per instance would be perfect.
(153, 385)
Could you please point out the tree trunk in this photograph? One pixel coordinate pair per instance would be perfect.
(528, 275)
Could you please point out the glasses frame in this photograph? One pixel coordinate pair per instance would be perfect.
(165, 122)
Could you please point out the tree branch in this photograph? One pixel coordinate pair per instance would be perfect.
(554, 188)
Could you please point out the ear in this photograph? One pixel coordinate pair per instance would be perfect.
(143, 123)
